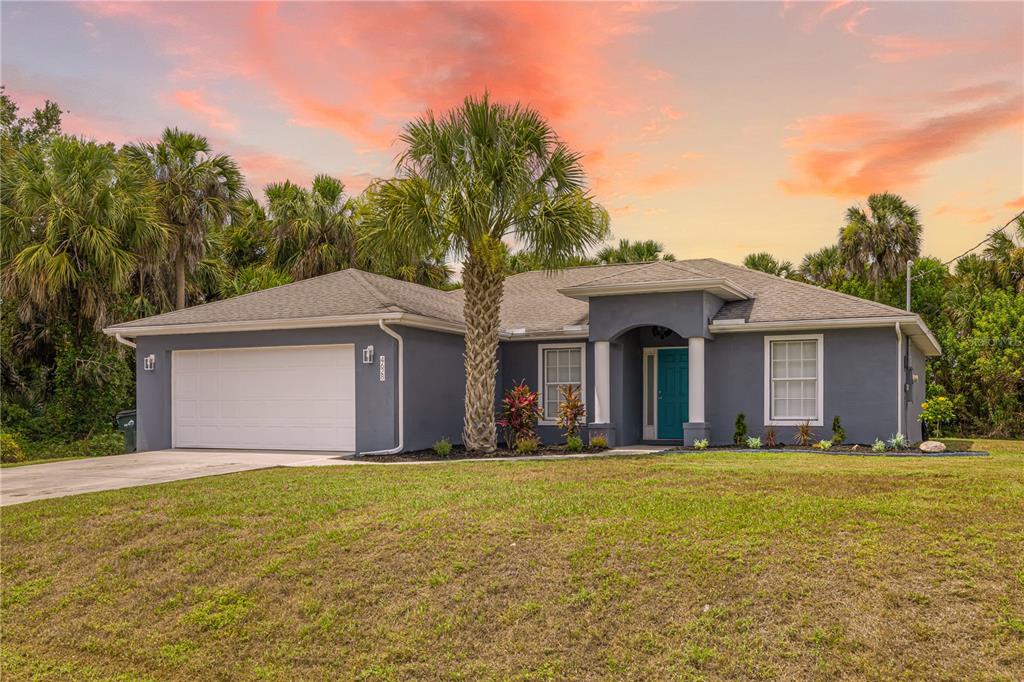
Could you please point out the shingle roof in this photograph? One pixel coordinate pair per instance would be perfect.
(775, 299)
(346, 292)
(532, 301)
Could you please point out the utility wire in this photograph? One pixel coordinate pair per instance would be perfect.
(982, 242)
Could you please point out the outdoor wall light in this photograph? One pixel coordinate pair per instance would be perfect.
(149, 363)
(368, 355)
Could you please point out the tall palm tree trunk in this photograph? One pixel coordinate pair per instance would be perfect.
(483, 280)
(179, 279)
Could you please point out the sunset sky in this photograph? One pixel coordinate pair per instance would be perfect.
(716, 128)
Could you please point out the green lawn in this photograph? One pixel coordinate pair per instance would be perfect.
(695, 566)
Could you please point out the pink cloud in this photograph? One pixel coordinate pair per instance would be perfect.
(214, 116)
(361, 70)
(1015, 205)
(973, 215)
(849, 155)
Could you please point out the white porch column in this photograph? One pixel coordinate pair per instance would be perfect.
(696, 353)
(602, 382)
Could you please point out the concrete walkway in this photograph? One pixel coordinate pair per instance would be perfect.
(58, 479)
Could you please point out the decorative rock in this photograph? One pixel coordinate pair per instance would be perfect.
(932, 446)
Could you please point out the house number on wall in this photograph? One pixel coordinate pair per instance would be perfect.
(382, 368)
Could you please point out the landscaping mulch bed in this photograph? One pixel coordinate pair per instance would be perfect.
(459, 452)
(855, 450)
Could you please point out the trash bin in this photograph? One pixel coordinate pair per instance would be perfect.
(125, 422)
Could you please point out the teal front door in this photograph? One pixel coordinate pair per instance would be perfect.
(673, 391)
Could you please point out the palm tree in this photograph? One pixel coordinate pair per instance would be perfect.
(879, 244)
(483, 173)
(823, 267)
(313, 232)
(197, 191)
(1007, 256)
(75, 214)
(765, 262)
(627, 251)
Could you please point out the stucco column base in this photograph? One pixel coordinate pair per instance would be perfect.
(694, 431)
(606, 430)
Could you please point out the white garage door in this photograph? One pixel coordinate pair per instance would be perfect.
(287, 398)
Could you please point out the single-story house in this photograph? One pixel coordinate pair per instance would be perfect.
(662, 351)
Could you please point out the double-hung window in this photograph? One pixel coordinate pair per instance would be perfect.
(560, 365)
(793, 379)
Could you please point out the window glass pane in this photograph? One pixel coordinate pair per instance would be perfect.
(794, 379)
(562, 366)
(779, 409)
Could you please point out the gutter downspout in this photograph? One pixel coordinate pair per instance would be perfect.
(401, 395)
(899, 379)
(121, 339)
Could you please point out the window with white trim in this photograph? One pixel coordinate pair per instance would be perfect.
(560, 365)
(793, 391)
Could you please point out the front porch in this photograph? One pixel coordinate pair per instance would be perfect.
(649, 387)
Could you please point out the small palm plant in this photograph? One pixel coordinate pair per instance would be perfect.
(804, 435)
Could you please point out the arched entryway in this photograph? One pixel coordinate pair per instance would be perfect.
(655, 383)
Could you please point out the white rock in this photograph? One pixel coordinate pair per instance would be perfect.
(932, 446)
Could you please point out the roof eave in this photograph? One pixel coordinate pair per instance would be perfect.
(401, 318)
(912, 325)
(722, 288)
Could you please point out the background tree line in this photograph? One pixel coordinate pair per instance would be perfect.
(94, 234)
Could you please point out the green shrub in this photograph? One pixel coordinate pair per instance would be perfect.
(838, 432)
(739, 436)
(754, 443)
(878, 445)
(823, 445)
(599, 442)
(898, 442)
(92, 382)
(443, 447)
(10, 449)
(936, 412)
(109, 443)
(574, 444)
(527, 445)
(701, 444)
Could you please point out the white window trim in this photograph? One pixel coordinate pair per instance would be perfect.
(818, 420)
(541, 347)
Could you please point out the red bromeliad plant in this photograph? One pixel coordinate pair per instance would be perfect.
(571, 411)
(520, 414)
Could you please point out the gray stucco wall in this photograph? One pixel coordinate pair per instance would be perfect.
(860, 375)
(518, 362)
(686, 313)
(376, 416)
(435, 387)
(917, 394)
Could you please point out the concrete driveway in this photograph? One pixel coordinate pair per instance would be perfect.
(58, 479)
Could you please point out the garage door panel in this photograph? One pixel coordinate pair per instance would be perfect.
(299, 398)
